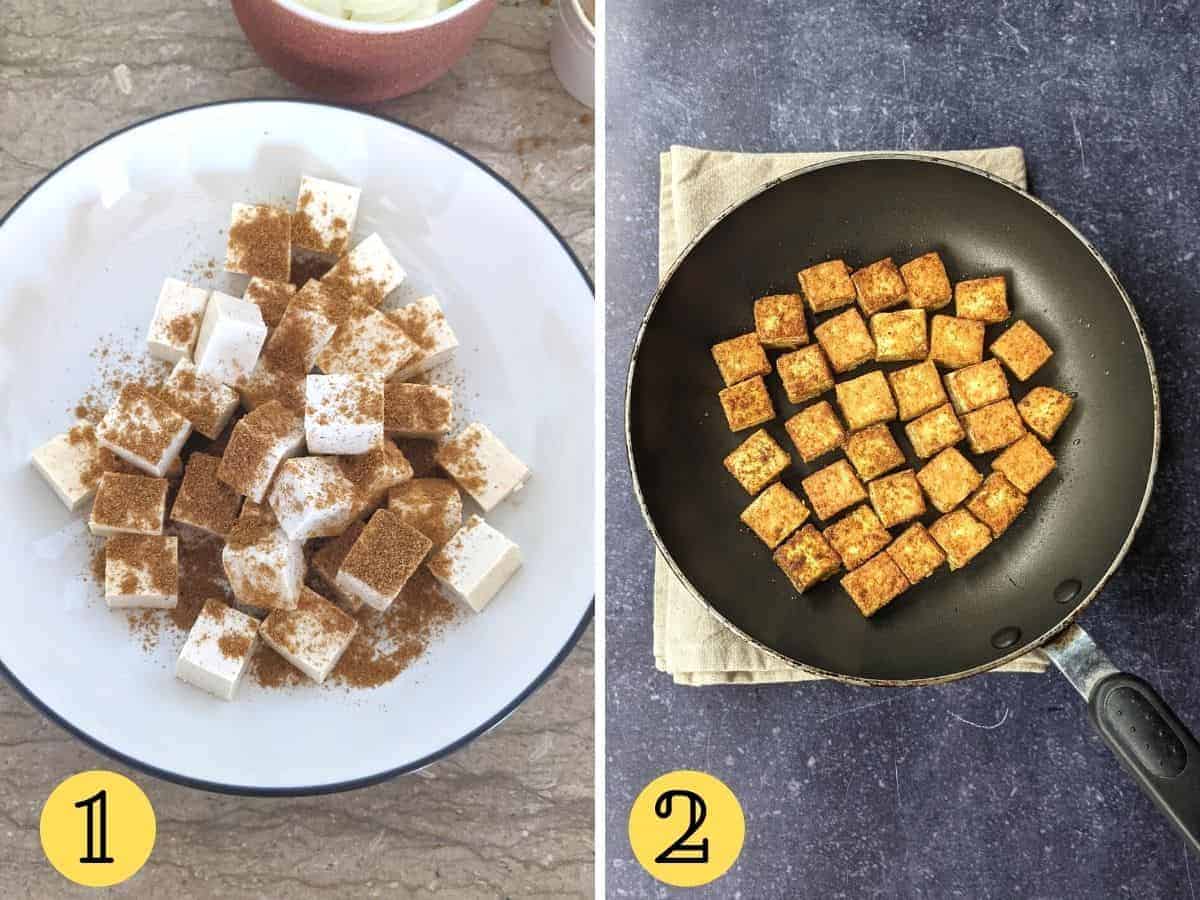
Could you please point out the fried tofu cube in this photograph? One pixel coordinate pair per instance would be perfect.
(1026, 463)
(757, 461)
(918, 389)
(993, 427)
(897, 498)
(807, 559)
(774, 514)
(934, 431)
(866, 400)
(927, 282)
(857, 536)
(948, 479)
(779, 321)
(974, 386)
(1044, 409)
(954, 343)
(916, 553)
(747, 404)
(1022, 349)
(815, 430)
(740, 358)
(900, 335)
(845, 340)
(879, 286)
(997, 503)
(982, 299)
(875, 584)
(832, 489)
(805, 373)
(961, 536)
(827, 285)
(873, 451)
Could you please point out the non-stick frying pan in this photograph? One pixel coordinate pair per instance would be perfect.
(1027, 588)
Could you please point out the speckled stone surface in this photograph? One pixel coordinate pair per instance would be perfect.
(510, 815)
(994, 787)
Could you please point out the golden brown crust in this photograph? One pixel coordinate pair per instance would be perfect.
(827, 285)
(961, 536)
(954, 343)
(897, 498)
(846, 341)
(948, 479)
(857, 536)
(740, 358)
(833, 489)
(927, 282)
(918, 389)
(1022, 350)
(774, 514)
(879, 286)
(873, 451)
(875, 583)
(815, 430)
(805, 373)
(866, 400)
(993, 426)
(746, 404)
(757, 461)
(807, 559)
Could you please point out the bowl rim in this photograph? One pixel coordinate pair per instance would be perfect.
(319, 18)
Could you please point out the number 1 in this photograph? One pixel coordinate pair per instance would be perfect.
(97, 803)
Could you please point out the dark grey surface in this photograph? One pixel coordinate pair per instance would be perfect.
(989, 787)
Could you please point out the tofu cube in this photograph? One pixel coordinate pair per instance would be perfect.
(417, 410)
(306, 327)
(482, 466)
(265, 385)
(879, 286)
(897, 498)
(271, 298)
(1044, 409)
(807, 559)
(918, 389)
(324, 217)
(815, 430)
(916, 553)
(1022, 349)
(982, 299)
(900, 335)
(1026, 463)
(70, 464)
(866, 400)
(827, 285)
(203, 500)
(927, 282)
(857, 536)
(218, 650)
(366, 275)
(875, 584)
(747, 404)
(203, 401)
(381, 561)
(260, 441)
(176, 322)
(873, 451)
(934, 431)
(997, 503)
(433, 506)
(312, 637)
(833, 489)
(312, 498)
(993, 427)
(475, 563)
(367, 342)
(846, 341)
(805, 373)
(428, 328)
(961, 536)
(756, 462)
(374, 473)
(231, 336)
(976, 386)
(260, 242)
(948, 479)
(141, 572)
(343, 414)
(328, 559)
(132, 504)
(779, 321)
(774, 514)
(954, 343)
(264, 566)
(143, 430)
(740, 358)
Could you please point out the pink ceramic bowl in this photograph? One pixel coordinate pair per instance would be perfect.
(359, 62)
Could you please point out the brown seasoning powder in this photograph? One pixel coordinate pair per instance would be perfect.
(261, 244)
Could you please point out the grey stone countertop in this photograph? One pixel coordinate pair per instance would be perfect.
(990, 787)
(512, 813)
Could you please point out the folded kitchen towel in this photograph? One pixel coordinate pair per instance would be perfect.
(696, 186)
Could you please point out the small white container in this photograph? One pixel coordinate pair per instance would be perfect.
(573, 49)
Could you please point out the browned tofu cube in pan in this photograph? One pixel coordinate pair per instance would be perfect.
(833, 489)
(774, 514)
(982, 299)
(815, 430)
(961, 536)
(875, 584)
(997, 503)
(807, 559)
(757, 461)
(897, 498)
(805, 373)
(866, 400)
(857, 536)
(740, 358)
(1044, 409)
(1026, 463)
(827, 285)
(845, 340)
(879, 286)
(934, 431)
(927, 282)
(779, 321)
(993, 427)
(948, 479)
(747, 404)
(916, 553)
(873, 451)
(954, 343)
(974, 386)
(1022, 350)
(900, 335)
(918, 389)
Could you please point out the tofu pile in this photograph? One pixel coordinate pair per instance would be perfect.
(324, 378)
(935, 381)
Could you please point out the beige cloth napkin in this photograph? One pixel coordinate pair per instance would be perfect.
(696, 186)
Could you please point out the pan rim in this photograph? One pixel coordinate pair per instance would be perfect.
(1071, 615)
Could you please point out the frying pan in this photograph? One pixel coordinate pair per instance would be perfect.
(1027, 588)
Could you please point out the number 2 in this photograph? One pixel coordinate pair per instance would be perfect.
(97, 809)
(680, 851)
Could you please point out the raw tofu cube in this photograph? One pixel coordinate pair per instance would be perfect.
(176, 322)
(328, 559)
(756, 462)
(807, 559)
(231, 337)
(879, 286)
(948, 479)
(376, 472)
(1026, 463)
(873, 451)
(203, 401)
(805, 373)
(845, 340)
(982, 299)
(265, 384)
(417, 410)
(218, 650)
(1044, 409)
(433, 506)
(427, 327)
(916, 553)
(934, 431)
(324, 217)
(747, 404)
(70, 464)
(367, 342)
(774, 514)
(143, 430)
(740, 358)
(306, 326)
(1022, 349)
(897, 498)
(482, 466)
(994, 426)
(779, 321)
(381, 561)
(954, 343)
(833, 489)
(900, 335)
(312, 498)
(128, 503)
(260, 441)
(875, 584)
(997, 503)
(367, 274)
(343, 414)
(975, 386)
(857, 536)
(918, 389)
(141, 571)
(264, 566)
(961, 536)
(271, 298)
(475, 563)
(312, 637)
(927, 282)
(866, 400)
(203, 501)
(827, 285)
(815, 430)
(260, 242)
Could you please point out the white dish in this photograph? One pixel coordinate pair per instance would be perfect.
(85, 254)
